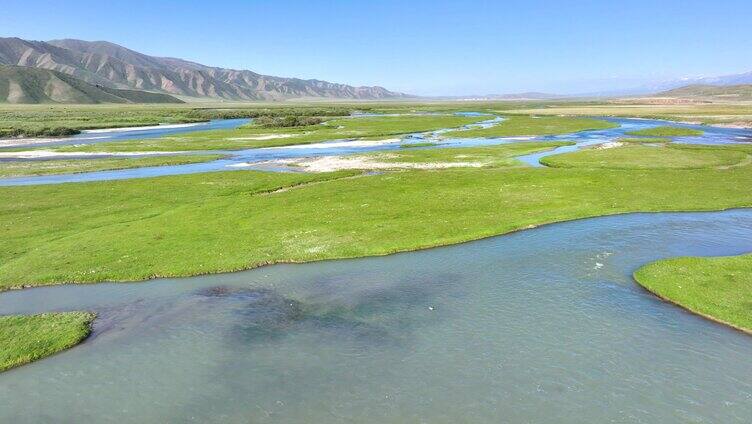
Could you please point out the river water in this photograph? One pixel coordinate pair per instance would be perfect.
(712, 135)
(544, 325)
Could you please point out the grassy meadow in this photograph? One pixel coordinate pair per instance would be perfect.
(637, 156)
(193, 224)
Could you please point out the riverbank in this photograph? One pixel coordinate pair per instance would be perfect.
(228, 221)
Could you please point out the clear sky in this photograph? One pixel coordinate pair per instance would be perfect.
(421, 47)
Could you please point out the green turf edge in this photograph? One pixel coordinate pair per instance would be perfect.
(642, 276)
(28, 338)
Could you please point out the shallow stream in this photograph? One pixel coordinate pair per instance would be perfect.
(712, 135)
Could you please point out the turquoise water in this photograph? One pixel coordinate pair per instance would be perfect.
(544, 326)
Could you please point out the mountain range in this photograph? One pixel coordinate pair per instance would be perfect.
(723, 80)
(20, 84)
(115, 67)
(706, 91)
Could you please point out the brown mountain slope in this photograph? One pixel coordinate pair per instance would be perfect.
(20, 84)
(108, 64)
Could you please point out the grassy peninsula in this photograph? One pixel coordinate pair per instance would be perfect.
(719, 288)
(26, 338)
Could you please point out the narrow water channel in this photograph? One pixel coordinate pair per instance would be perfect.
(133, 133)
(712, 135)
(544, 325)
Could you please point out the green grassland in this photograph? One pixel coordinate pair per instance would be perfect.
(718, 288)
(489, 156)
(636, 156)
(666, 131)
(192, 224)
(26, 338)
(534, 125)
(70, 166)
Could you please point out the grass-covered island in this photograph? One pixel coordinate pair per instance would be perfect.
(30, 337)
(719, 288)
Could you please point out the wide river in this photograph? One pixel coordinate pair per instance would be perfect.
(543, 326)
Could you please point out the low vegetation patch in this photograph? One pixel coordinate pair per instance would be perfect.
(26, 338)
(719, 288)
(63, 120)
(287, 121)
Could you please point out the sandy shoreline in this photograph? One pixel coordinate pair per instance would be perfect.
(339, 163)
(262, 137)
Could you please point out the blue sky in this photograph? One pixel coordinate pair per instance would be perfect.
(421, 47)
